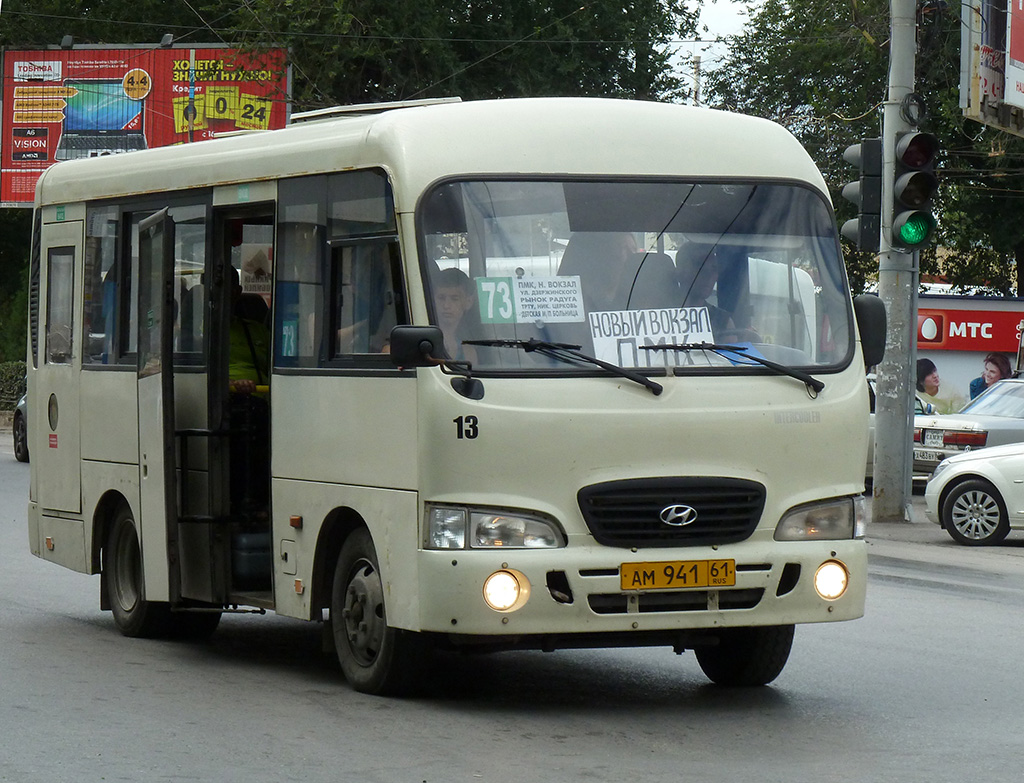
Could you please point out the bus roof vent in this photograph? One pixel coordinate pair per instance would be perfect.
(359, 109)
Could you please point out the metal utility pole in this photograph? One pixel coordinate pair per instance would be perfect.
(696, 80)
(897, 286)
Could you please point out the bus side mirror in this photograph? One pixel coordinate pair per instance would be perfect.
(870, 312)
(416, 346)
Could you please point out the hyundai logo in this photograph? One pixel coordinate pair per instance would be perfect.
(679, 515)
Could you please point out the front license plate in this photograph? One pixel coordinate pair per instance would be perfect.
(933, 438)
(921, 455)
(677, 573)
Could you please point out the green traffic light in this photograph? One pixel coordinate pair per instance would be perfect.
(916, 229)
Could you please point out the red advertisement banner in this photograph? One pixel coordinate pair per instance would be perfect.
(66, 104)
(969, 330)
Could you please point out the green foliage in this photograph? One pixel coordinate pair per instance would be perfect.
(820, 69)
(12, 384)
(358, 51)
(361, 51)
(15, 233)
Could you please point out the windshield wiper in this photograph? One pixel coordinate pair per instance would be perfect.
(566, 352)
(722, 348)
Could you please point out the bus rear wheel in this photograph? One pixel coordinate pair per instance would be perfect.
(125, 585)
(746, 657)
(375, 658)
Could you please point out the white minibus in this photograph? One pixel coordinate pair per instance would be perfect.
(512, 374)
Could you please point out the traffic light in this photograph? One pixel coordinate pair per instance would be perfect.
(866, 193)
(914, 185)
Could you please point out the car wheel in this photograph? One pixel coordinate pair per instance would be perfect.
(20, 438)
(974, 514)
(374, 657)
(747, 656)
(124, 583)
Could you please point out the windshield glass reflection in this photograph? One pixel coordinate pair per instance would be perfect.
(613, 266)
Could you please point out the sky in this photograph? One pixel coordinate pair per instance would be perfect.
(724, 17)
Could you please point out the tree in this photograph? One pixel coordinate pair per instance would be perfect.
(361, 51)
(821, 70)
(14, 243)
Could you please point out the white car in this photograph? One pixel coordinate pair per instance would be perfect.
(978, 496)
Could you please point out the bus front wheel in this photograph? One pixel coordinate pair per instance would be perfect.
(124, 583)
(747, 656)
(374, 657)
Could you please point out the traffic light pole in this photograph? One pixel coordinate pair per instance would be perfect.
(898, 274)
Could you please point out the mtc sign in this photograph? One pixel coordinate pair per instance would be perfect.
(969, 330)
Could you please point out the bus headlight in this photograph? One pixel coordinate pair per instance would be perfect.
(506, 590)
(832, 520)
(831, 580)
(457, 527)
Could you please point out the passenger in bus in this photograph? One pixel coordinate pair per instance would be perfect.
(697, 268)
(454, 308)
(603, 262)
(249, 352)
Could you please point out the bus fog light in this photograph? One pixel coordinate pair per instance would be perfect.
(506, 590)
(831, 580)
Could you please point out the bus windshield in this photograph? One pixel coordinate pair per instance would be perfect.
(618, 266)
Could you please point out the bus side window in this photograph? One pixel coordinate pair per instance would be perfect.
(299, 293)
(339, 289)
(364, 301)
(60, 283)
(100, 285)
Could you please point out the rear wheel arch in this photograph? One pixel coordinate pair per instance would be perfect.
(103, 517)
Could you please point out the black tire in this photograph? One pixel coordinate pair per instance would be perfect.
(20, 438)
(746, 657)
(974, 514)
(125, 585)
(375, 658)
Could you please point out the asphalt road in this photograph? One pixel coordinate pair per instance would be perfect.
(923, 688)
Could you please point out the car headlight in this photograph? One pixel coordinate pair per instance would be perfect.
(833, 520)
(938, 469)
(459, 527)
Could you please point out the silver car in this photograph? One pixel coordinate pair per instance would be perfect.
(920, 407)
(994, 418)
(21, 430)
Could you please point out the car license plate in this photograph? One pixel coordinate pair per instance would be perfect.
(923, 455)
(933, 438)
(677, 573)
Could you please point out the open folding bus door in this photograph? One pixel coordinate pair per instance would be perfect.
(178, 501)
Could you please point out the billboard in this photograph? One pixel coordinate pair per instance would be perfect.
(64, 104)
(992, 63)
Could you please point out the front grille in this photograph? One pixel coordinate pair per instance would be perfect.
(676, 601)
(628, 513)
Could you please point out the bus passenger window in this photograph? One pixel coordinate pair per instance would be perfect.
(60, 283)
(364, 301)
(100, 286)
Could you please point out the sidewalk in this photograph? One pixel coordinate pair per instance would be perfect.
(919, 530)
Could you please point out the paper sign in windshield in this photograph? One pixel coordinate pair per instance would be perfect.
(506, 300)
(619, 334)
